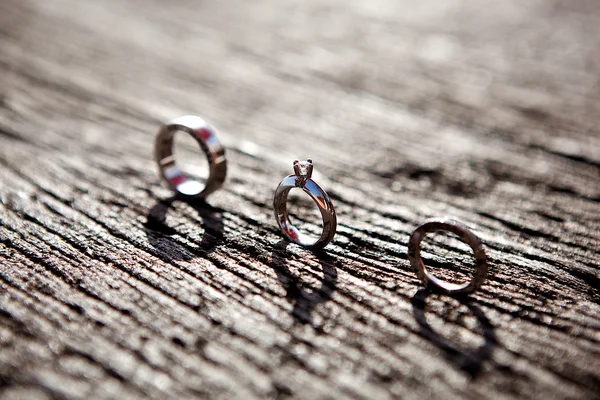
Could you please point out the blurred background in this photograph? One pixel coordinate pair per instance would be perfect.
(410, 86)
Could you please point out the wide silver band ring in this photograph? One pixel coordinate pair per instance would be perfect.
(465, 234)
(302, 179)
(206, 136)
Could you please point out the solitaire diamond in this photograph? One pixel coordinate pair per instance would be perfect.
(303, 171)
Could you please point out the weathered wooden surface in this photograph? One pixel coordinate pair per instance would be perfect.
(487, 111)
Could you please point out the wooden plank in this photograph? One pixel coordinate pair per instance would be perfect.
(486, 112)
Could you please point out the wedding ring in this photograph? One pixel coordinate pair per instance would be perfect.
(460, 230)
(302, 179)
(206, 136)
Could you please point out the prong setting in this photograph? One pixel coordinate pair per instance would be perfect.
(303, 171)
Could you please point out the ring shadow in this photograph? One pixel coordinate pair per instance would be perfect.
(304, 301)
(161, 236)
(470, 360)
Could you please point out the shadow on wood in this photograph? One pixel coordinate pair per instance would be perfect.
(304, 301)
(160, 234)
(469, 360)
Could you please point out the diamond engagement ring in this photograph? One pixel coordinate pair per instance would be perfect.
(302, 179)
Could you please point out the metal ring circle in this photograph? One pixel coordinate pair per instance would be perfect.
(206, 136)
(467, 236)
(322, 200)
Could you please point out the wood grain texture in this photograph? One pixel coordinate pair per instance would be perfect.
(485, 111)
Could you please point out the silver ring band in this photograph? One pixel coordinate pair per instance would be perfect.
(459, 229)
(206, 136)
(302, 179)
